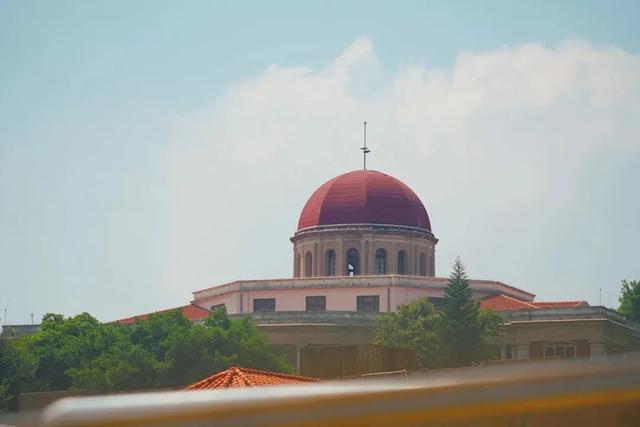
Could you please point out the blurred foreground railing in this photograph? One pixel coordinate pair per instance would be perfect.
(604, 393)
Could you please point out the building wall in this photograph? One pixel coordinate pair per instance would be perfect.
(366, 242)
(588, 337)
(337, 299)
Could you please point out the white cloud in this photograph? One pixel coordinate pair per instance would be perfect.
(503, 148)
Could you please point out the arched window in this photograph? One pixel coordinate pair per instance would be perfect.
(308, 264)
(330, 263)
(381, 261)
(353, 262)
(402, 256)
(423, 264)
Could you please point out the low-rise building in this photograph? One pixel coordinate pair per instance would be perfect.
(364, 246)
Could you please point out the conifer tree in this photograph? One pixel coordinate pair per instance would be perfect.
(462, 327)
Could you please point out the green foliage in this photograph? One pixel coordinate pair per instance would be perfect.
(17, 368)
(413, 327)
(630, 300)
(167, 350)
(462, 328)
(455, 336)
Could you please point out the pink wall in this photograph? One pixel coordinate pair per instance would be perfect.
(338, 299)
(401, 296)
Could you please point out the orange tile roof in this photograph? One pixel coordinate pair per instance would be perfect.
(191, 312)
(241, 377)
(506, 303)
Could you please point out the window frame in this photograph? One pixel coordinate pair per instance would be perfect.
(401, 266)
(330, 259)
(264, 310)
(356, 264)
(309, 298)
(381, 261)
(563, 350)
(217, 307)
(422, 264)
(361, 303)
(308, 264)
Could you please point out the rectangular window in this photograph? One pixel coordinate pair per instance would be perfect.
(264, 305)
(217, 307)
(565, 351)
(369, 303)
(548, 352)
(316, 303)
(570, 352)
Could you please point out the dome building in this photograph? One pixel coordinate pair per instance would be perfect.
(364, 246)
(363, 223)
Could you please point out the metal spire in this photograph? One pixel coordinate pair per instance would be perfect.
(364, 148)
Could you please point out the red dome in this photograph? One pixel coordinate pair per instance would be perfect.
(364, 197)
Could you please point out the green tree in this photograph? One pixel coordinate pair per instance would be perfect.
(630, 300)
(462, 328)
(412, 327)
(167, 350)
(17, 368)
(457, 335)
(63, 344)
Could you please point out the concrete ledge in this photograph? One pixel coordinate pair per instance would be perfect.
(304, 317)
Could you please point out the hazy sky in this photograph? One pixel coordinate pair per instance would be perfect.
(150, 149)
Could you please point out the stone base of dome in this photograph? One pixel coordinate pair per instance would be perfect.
(368, 249)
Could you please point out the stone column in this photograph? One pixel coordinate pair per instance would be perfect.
(521, 351)
(316, 261)
(598, 349)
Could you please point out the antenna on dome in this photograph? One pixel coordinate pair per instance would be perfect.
(364, 149)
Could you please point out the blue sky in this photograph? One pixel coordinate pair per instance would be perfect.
(136, 165)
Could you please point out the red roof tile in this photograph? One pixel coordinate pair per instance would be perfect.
(241, 377)
(191, 312)
(503, 303)
(506, 303)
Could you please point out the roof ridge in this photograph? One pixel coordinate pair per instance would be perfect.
(510, 298)
(276, 374)
(236, 376)
(239, 371)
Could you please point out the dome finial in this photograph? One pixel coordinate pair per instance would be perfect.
(364, 149)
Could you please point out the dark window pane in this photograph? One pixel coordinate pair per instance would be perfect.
(401, 268)
(331, 263)
(264, 305)
(570, 352)
(316, 303)
(548, 352)
(381, 261)
(369, 303)
(308, 265)
(423, 265)
(353, 262)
